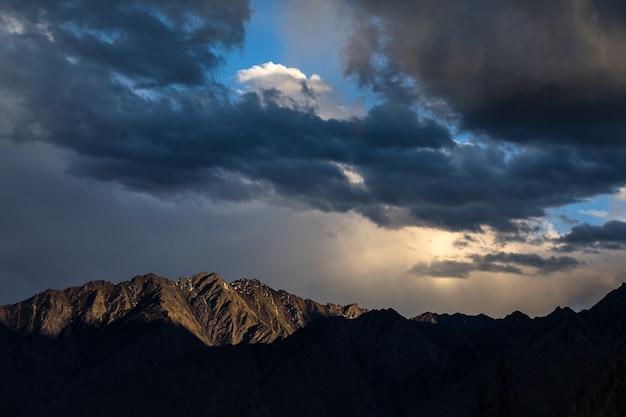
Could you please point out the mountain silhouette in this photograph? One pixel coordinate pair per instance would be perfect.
(200, 346)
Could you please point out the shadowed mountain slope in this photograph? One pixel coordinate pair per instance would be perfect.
(202, 347)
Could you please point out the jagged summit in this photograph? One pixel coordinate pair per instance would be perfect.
(427, 317)
(215, 312)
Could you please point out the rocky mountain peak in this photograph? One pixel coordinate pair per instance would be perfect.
(251, 286)
(215, 312)
(427, 317)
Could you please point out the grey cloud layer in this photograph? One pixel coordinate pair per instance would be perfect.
(523, 71)
(500, 262)
(153, 42)
(610, 235)
(130, 90)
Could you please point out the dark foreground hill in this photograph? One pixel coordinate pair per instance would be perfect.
(203, 347)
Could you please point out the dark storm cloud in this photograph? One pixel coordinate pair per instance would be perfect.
(465, 241)
(152, 42)
(523, 71)
(500, 262)
(611, 235)
(531, 260)
(59, 231)
(129, 89)
(459, 269)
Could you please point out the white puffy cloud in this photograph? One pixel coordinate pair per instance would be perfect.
(297, 90)
(287, 80)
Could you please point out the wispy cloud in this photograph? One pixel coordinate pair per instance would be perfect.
(499, 262)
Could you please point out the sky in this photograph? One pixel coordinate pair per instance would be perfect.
(459, 156)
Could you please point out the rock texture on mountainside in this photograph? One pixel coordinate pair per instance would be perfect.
(202, 347)
(215, 312)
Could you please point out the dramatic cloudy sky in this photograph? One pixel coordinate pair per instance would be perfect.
(467, 155)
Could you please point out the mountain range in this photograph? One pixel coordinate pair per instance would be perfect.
(200, 346)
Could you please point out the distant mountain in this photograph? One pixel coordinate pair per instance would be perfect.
(202, 347)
